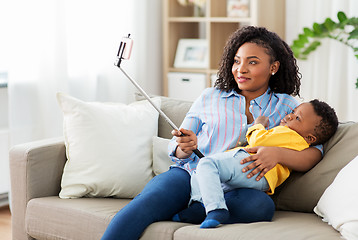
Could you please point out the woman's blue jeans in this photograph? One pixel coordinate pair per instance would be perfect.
(168, 193)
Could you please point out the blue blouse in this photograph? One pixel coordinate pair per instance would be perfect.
(218, 119)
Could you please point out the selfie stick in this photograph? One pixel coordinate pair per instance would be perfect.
(124, 52)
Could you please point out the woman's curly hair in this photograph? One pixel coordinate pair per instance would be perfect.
(286, 80)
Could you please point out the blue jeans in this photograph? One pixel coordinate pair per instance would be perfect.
(169, 193)
(218, 171)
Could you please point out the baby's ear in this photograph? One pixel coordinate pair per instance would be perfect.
(310, 139)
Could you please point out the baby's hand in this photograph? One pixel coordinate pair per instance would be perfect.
(262, 120)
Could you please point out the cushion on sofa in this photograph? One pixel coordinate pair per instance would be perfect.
(174, 109)
(108, 147)
(55, 218)
(285, 225)
(161, 159)
(176, 114)
(339, 203)
(301, 191)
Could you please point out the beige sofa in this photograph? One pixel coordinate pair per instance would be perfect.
(38, 213)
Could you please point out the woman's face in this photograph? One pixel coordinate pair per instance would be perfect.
(252, 69)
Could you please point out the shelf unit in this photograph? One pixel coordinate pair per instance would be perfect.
(179, 22)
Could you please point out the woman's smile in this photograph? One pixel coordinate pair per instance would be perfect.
(242, 79)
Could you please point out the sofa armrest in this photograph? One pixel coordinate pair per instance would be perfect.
(35, 171)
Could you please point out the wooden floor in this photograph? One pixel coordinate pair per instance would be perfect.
(5, 223)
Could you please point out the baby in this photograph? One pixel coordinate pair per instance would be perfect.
(310, 123)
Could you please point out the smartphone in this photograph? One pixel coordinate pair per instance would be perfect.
(125, 50)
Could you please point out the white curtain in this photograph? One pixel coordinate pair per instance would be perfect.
(331, 71)
(70, 46)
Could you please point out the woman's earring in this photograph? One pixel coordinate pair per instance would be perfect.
(272, 73)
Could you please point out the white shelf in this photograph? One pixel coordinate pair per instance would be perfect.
(179, 22)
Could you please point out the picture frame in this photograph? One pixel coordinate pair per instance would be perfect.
(192, 53)
(238, 8)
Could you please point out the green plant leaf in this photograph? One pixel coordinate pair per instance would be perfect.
(329, 24)
(313, 46)
(308, 32)
(357, 83)
(353, 34)
(298, 43)
(341, 16)
(303, 38)
(317, 29)
(296, 51)
(352, 21)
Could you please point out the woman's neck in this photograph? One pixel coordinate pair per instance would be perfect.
(249, 96)
(249, 116)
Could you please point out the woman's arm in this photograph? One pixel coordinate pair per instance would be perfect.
(267, 157)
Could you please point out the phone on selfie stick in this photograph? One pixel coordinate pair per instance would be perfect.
(124, 52)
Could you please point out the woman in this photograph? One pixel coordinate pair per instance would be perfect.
(257, 75)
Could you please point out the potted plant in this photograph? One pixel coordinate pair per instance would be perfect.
(344, 31)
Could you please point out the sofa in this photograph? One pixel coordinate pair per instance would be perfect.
(36, 170)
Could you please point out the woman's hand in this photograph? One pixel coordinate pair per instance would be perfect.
(265, 159)
(186, 144)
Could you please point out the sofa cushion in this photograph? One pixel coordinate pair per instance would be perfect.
(301, 191)
(285, 225)
(339, 203)
(56, 218)
(108, 147)
(162, 230)
(83, 218)
(161, 159)
(175, 109)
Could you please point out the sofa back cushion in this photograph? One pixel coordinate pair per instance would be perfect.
(301, 191)
(175, 109)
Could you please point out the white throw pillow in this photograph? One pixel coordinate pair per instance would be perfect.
(161, 159)
(339, 203)
(108, 147)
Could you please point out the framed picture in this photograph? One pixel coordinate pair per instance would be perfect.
(192, 53)
(238, 8)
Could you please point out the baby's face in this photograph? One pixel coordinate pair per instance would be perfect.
(303, 120)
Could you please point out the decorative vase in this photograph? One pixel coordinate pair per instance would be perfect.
(199, 11)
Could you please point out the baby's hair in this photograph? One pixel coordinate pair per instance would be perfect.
(286, 80)
(328, 124)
